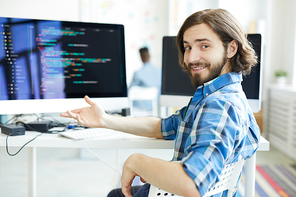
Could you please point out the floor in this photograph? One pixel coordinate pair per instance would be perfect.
(76, 173)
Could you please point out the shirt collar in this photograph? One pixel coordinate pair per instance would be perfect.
(214, 85)
(146, 63)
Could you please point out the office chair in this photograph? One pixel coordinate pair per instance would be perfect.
(229, 178)
(138, 93)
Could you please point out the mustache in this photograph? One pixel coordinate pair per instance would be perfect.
(199, 63)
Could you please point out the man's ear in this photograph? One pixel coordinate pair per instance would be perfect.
(232, 48)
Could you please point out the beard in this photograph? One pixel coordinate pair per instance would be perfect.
(215, 70)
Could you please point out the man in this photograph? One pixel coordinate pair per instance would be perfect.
(148, 76)
(216, 128)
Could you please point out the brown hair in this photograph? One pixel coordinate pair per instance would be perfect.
(227, 28)
(144, 53)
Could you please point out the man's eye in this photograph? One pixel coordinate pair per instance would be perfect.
(187, 48)
(205, 46)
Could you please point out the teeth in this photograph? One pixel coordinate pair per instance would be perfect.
(198, 68)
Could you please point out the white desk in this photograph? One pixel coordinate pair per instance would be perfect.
(122, 141)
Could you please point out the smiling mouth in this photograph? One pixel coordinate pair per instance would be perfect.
(198, 68)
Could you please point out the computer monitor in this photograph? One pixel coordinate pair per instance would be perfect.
(49, 66)
(176, 89)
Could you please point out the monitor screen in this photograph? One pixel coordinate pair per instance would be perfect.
(252, 83)
(176, 89)
(49, 66)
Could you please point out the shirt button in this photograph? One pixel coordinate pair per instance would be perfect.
(207, 94)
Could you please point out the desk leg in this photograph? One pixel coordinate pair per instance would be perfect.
(32, 171)
(119, 168)
(250, 169)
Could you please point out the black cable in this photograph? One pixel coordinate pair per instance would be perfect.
(14, 154)
(25, 125)
(55, 120)
(20, 122)
(66, 126)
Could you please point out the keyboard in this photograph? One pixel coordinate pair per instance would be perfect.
(80, 134)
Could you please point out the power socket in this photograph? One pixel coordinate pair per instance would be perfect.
(13, 130)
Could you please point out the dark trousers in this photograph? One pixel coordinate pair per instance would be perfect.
(136, 191)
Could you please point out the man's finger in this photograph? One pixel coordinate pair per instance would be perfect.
(65, 114)
(71, 114)
(78, 118)
(89, 101)
(76, 111)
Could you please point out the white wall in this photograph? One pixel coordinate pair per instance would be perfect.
(40, 9)
(282, 37)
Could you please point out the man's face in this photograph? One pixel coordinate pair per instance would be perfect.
(204, 56)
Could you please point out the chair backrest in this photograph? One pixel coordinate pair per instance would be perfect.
(138, 93)
(228, 181)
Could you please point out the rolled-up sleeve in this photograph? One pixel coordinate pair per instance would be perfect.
(169, 125)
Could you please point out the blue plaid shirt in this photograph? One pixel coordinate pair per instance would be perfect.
(216, 128)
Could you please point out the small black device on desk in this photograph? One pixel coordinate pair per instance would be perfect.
(13, 130)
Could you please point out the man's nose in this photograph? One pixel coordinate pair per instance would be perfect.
(194, 56)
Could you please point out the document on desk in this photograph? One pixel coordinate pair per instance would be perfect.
(80, 134)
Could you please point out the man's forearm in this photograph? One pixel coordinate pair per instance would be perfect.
(143, 126)
(169, 176)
